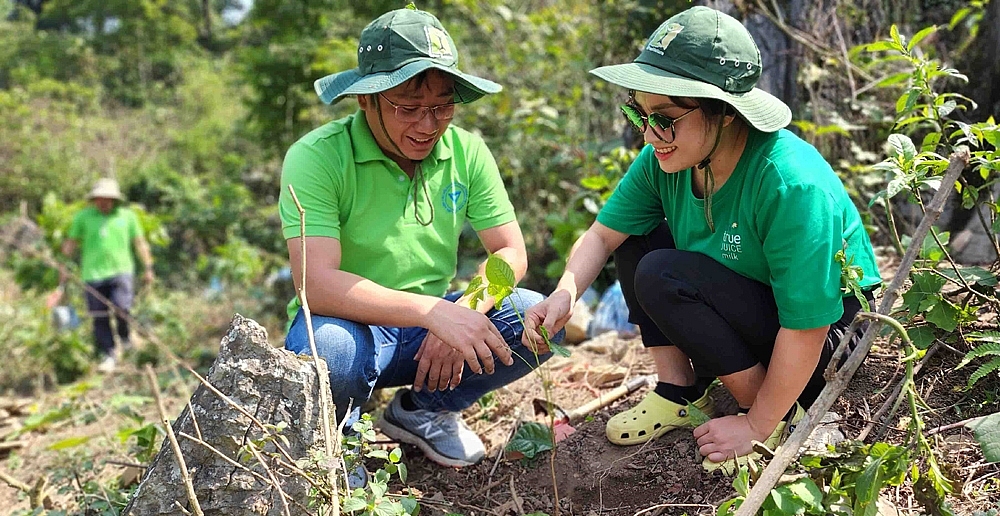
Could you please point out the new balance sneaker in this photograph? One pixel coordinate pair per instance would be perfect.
(442, 436)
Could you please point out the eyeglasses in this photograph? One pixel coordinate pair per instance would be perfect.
(413, 114)
(640, 120)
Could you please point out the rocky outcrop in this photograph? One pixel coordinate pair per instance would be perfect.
(273, 385)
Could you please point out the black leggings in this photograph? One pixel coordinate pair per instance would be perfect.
(723, 322)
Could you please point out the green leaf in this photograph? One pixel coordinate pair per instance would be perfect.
(896, 37)
(71, 442)
(895, 78)
(922, 336)
(386, 508)
(595, 182)
(958, 17)
(808, 492)
(354, 504)
(409, 504)
(902, 146)
(918, 37)
(944, 315)
(379, 454)
(742, 481)
(559, 349)
(925, 284)
(403, 472)
(378, 489)
(395, 455)
(867, 487)
(531, 439)
(785, 501)
(696, 415)
(499, 272)
(880, 46)
(984, 370)
(475, 284)
(987, 432)
(973, 275)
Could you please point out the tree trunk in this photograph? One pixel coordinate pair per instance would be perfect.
(983, 86)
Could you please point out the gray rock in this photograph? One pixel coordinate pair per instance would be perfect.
(270, 383)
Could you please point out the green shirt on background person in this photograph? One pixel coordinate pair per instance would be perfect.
(105, 241)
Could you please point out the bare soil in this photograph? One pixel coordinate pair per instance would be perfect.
(593, 476)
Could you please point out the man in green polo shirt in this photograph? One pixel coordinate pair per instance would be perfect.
(109, 238)
(386, 192)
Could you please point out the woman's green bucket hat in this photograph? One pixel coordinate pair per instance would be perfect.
(396, 47)
(704, 53)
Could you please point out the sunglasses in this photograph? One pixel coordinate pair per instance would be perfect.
(413, 114)
(661, 124)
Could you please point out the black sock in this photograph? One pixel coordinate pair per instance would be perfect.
(743, 411)
(407, 402)
(678, 394)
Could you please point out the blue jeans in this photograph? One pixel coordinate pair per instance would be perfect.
(362, 358)
(119, 290)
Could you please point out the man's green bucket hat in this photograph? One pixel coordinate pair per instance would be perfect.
(396, 47)
(704, 53)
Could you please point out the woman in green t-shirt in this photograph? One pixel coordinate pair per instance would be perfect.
(727, 232)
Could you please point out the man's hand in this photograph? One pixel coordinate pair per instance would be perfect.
(439, 364)
(470, 333)
(726, 437)
(553, 313)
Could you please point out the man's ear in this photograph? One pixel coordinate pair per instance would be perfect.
(364, 102)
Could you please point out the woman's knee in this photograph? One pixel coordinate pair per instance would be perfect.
(661, 278)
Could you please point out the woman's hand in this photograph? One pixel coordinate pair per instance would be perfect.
(726, 437)
(553, 313)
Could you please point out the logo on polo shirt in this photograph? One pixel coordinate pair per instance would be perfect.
(732, 243)
(454, 197)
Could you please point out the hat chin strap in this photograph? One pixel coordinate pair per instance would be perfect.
(418, 170)
(706, 165)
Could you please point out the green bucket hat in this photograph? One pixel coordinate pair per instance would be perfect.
(704, 53)
(396, 47)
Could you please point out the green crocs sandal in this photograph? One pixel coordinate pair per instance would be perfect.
(651, 418)
(781, 432)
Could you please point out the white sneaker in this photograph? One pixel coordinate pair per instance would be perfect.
(107, 365)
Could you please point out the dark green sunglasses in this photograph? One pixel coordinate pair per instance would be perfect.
(660, 123)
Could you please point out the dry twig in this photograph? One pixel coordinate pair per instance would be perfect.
(185, 475)
(324, 385)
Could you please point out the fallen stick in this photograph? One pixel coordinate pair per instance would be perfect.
(178, 456)
(787, 453)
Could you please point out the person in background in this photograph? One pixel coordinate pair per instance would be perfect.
(109, 238)
(386, 192)
(730, 236)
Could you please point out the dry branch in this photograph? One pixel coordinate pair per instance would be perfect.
(185, 475)
(332, 447)
(770, 476)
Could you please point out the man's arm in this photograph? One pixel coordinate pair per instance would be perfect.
(68, 249)
(331, 291)
(142, 250)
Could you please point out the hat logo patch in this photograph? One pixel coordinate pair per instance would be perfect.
(437, 42)
(663, 36)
